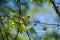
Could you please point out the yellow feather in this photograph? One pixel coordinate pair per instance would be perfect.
(26, 19)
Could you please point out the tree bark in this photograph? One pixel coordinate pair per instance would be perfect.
(55, 7)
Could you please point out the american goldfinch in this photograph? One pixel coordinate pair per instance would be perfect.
(26, 19)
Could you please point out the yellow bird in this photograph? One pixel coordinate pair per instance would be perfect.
(26, 19)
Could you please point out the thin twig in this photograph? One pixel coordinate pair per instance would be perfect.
(58, 25)
(28, 34)
(44, 23)
(1, 35)
(48, 24)
(4, 27)
(8, 15)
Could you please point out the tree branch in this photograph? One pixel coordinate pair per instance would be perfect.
(55, 7)
(44, 23)
(19, 6)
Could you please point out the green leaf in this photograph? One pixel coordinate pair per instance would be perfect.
(31, 0)
(8, 10)
(49, 3)
(32, 30)
(22, 28)
(11, 10)
(45, 37)
(44, 28)
(12, 25)
(40, 1)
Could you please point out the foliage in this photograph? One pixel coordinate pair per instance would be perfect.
(45, 37)
(13, 23)
(32, 30)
